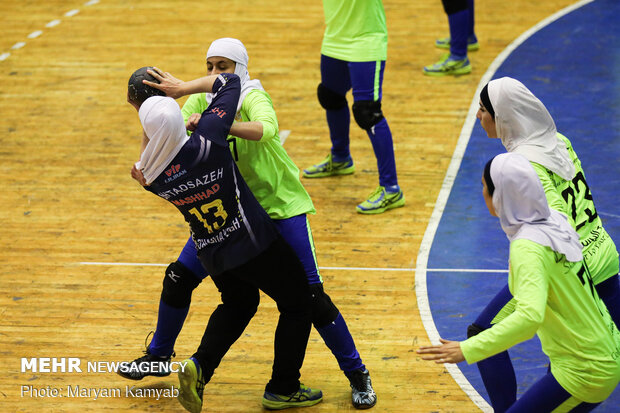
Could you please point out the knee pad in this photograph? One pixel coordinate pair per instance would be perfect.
(474, 329)
(367, 113)
(329, 99)
(323, 310)
(454, 6)
(179, 282)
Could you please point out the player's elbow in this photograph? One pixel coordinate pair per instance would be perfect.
(531, 323)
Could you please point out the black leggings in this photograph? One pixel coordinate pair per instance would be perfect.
(279, 274)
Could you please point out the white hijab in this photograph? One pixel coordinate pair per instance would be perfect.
(163, 124)
(526, 127)
(520, 203)
(234, 50)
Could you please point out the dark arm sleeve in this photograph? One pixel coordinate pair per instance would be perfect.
(218, 117)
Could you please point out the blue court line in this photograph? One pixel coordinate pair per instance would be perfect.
(568, 61)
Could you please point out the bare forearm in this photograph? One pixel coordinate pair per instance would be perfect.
(252, 131)
(200, 85)
(176, 88)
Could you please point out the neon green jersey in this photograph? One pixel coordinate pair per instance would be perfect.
(556, 299)
(574, 199)
(355, 30)
(271, 175)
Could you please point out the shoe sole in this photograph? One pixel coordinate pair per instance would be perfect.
(274, 405)
(364, 406)
(188, 397)
(331, 173)
(140, 378)
(446, 46)
(397, 204)
(458, 72)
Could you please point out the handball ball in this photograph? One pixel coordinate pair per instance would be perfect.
(138, 91)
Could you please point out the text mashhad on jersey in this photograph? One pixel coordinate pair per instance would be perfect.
(193, 184)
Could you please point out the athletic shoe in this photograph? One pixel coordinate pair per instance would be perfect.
(362, 393)
(192, 385)
(472, 45)
(380, 201)
(329, 168)
(147, 365)
(448, 66)
(303, 397)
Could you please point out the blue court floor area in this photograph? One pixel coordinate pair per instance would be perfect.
(573, 66)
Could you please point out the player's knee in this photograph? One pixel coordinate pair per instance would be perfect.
(367, 113)
(248, 309)
(454, 6)
(474, 329)
(242, 301)
(329, 99)
(179, 282)
(247, 306)
(323, 310)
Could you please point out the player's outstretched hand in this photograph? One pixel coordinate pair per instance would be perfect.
(447, 352)
(192, 122)
(168, 84)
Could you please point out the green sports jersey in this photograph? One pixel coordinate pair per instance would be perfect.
(271, 175)
(556, 299)
(355, 30)
(574, 199)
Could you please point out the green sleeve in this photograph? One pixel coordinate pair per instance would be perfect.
(257, 107)
(552, 191)
(196, 103)
(529, 286)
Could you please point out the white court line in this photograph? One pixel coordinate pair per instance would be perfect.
(150, 264)
(422, 259)
(38, 33)
(283, 135)
(125, 264)
(605, 214)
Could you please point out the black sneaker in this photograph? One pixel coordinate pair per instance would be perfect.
(147, 365)
(362, 394)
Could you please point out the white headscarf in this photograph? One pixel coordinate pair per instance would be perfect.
(526, 127)
(234, 50)
(163, 123)
(520, 203)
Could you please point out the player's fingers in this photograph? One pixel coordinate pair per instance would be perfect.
(153, 84)
(432, 357)
(428, 349)
(156, 73)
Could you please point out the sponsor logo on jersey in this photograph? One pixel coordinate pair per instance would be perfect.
(174, 172)
(173, 169)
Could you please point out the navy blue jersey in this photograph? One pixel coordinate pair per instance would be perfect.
(228, 225)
